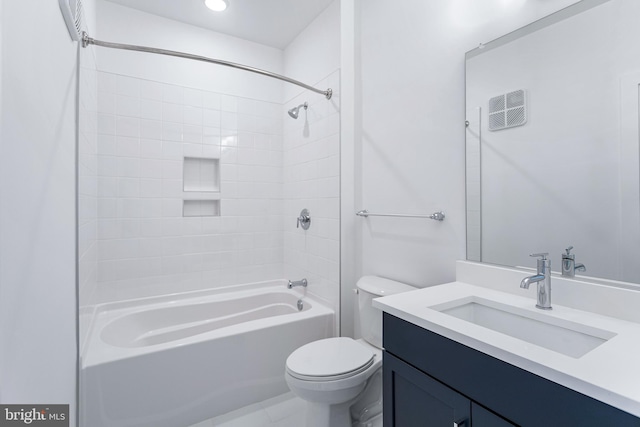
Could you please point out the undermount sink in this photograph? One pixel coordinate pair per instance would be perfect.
(562, 336)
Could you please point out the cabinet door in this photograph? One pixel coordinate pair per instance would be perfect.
(414, 399)
(485, 418)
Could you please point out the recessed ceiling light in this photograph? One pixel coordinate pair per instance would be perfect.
(216, 5)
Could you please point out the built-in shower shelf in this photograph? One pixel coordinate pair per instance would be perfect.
(201, 174)
(201, 187)
(191, 208)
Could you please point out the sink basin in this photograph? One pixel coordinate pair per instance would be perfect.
(562, 336)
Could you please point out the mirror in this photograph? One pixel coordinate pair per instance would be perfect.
(552, 142)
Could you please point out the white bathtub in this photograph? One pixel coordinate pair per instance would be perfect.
(174, 361)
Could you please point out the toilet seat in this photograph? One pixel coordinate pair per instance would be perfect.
(329, 360)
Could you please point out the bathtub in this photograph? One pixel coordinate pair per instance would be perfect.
(177, 360)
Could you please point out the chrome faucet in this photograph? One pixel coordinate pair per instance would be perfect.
(569, 265)
(543, 279)
(296, 283)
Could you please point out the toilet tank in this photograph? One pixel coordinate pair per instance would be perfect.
(370, 287)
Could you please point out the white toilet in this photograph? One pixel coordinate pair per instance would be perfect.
(341, 378)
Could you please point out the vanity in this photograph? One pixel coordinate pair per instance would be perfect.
(552, 150)
(481, 354)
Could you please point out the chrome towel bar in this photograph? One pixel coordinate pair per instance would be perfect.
(438, 216)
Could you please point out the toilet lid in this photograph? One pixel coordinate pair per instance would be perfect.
(332, 358)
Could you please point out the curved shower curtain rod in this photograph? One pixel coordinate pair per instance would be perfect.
(86, 41)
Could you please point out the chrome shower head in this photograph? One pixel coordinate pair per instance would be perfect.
(296, 110)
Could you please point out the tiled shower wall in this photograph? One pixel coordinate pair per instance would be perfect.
(145, 244)
(312, 181)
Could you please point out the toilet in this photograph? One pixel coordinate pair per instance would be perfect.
(341, 378)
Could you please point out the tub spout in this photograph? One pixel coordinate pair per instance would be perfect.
(296, 283)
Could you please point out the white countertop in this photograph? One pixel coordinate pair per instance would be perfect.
(609, 373)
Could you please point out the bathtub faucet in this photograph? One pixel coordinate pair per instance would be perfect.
(293, 284)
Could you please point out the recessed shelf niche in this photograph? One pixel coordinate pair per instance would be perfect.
(201, 208)
(201, 187)
(201, 174)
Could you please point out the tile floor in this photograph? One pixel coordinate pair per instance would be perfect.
(285, 410)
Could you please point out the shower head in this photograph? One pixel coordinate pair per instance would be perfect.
(296, 110)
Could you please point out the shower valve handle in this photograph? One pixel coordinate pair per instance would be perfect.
(304, 220)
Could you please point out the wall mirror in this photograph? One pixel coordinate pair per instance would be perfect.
(552, 142)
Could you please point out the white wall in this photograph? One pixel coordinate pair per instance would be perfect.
(412, 105)
(37, 206)
(314, 53)
(125, 25)
(311, 158)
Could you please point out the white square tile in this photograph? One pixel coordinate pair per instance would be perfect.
(192, 134)
(106, 82)
(172, 150)
(129, 208)
(127, 146)
(151, 227)
(127, 106)
(211, 151)
(193, 97)
(211, 136)
(128, 187)
(171, 131)
(107, 208)
(129, 229)
(192, 115)
(151, 109)
(107, 187)
(108, 229)
(129, 86)
(172, 226)
(229, 120)
(211, 100)
(151, 90)
(172, 188)
(151, 168)
(192, 150)
(150, 188)
(150, 149)
(107, 145)
(228, 103)
(128, 167)
(172, 112)
(211, 118)
(106, 103)
(107, 166)
(106, 124)
(128, 126)
(151, 208)
(172, 94)
(171, 169)
(150, 129)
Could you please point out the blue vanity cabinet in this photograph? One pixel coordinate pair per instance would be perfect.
(417, 399)
(412, 398)
(430, 380)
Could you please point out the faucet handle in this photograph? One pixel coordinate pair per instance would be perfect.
(569, 250)
(542, 255)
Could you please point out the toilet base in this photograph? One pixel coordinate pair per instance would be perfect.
(322, 415)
